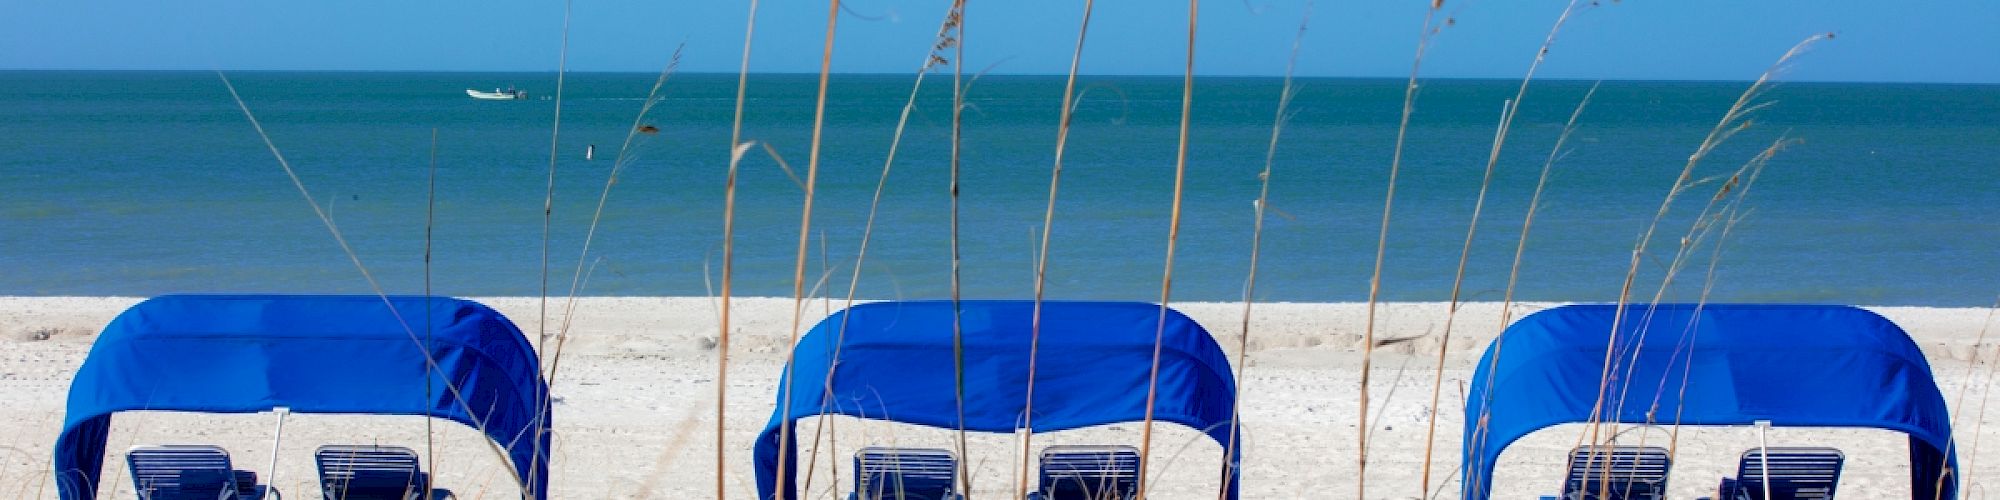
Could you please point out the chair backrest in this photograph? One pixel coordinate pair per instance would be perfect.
(181, 472)
(364, 472)
(904, 473)
(1090, 472)
(1618, 472)
(1795, 472)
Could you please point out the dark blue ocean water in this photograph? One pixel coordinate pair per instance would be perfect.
(148, 183)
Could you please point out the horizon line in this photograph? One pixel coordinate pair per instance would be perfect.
(867, 73)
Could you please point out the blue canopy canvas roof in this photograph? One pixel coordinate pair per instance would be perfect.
(1793, 365)
(896, 361)
(312, 354)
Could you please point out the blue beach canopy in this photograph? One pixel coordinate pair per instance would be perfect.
(1794, 365)
(313, 354)
(896, 362)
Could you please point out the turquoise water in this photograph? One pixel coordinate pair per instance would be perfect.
(148, 183)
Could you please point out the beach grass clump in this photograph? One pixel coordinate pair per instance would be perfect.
(1735, 120)
(1711, 226)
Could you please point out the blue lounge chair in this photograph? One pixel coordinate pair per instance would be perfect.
(189, 472)
(365, 472)
(1089, 473)
(904, 474)
(1794, 474)
(1616, 473)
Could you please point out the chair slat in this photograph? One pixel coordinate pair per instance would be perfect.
(365, 472)
(1799, 473)
(177, 472)
(905, 474)
(1089, 472)
(1619, 472)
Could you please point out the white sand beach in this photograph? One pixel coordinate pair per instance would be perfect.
(635, 406)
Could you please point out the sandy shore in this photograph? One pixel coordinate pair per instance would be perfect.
(636, 405)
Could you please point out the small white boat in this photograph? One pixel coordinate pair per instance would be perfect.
(497, 94)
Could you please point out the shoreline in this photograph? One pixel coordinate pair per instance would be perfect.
(762, 323)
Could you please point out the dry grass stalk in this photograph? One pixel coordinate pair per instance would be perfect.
(957, 330)
(4, 466)
(1979, 419)
(805, 233)
(1970, 366)
(430, 360)
(1520, 248)
(625, 158)
(832, 432)
(1704, 224)
(430, 221)
(1042, 255)
(548, 214)
(737, 148)
(1732, 121)
(932, 59)
(1382, 246)
(1735, 120)
(36, 480)
(1457, 284)
(1173, 236)
(1728, 218)
(1285, 94)
(118, 473)
(1458, 280)
(578, 279)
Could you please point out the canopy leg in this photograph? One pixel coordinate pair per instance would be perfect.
(278, 436)
(1764, 456)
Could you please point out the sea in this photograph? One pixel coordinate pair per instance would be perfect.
(145, 183)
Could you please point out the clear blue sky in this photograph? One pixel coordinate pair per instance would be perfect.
(1879, 40)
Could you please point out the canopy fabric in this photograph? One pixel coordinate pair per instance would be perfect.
(1092, 364)
(312, 354)
(1794, 365)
